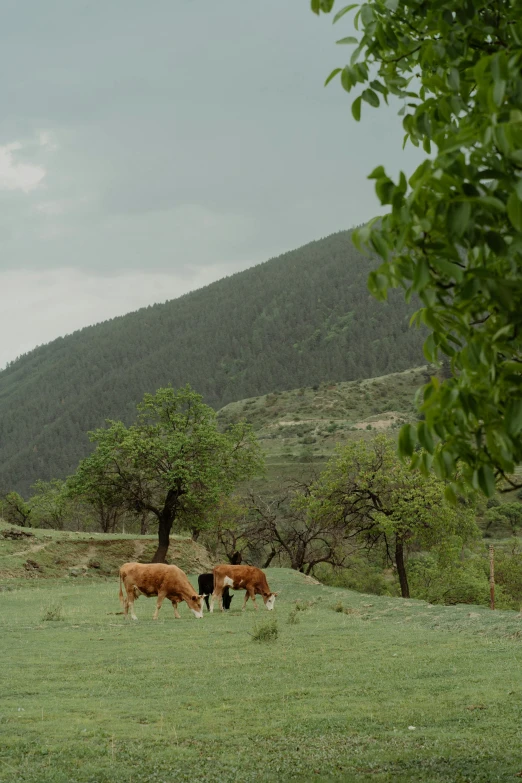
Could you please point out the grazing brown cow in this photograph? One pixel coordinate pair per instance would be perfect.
(239, 577)
(165, 581)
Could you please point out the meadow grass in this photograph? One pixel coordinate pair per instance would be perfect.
(388, 690)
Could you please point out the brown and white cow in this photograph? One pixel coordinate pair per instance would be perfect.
(239, 577)
(165, 581)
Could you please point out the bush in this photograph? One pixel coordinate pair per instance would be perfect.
(54, 613)
(461, 582)
(293, 617)
(265, 631)
(361, 575)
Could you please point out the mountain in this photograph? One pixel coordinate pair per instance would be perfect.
(297, 320)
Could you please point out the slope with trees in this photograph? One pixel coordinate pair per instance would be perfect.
(297, 320)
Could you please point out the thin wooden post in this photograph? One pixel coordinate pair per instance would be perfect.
(491, 576)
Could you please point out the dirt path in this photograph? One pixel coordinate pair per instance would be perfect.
(33, 548)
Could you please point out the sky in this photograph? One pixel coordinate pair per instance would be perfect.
(148, 149)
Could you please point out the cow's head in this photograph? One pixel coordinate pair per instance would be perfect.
(195, 604)
(269, 599)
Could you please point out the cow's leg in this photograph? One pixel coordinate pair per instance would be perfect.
(207, 603)
(125, 602)
(253, 597)
(244, 602)
(130, 603)
(175, 607)
(161, 597)
(217, 594)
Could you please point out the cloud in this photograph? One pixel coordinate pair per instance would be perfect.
(16, 175)
(38, 307)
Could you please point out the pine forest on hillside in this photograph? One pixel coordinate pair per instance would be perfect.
(303, 318)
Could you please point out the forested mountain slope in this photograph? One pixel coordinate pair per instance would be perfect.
(296, 320)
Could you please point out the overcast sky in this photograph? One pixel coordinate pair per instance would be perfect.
(147, 149)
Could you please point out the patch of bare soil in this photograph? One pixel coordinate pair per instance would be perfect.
(384, 423)
(139, 549)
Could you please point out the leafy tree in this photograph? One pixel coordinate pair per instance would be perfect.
(506, 513)
(50, 504)
(174, 462)
(283, 528)
(16, 510)
(227, 532)
(453, 233)
(377, 500)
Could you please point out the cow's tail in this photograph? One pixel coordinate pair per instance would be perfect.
(121, 593)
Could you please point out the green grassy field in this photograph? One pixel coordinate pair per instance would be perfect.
(355, 688)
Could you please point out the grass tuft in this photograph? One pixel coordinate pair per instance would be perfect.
(265, 631)
(54, 613)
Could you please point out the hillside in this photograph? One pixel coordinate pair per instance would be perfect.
(305, 425)
(298, 320)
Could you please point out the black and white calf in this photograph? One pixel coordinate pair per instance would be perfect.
(206, 588)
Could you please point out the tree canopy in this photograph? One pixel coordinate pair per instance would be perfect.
(368, 491)
(453, 230)
(174, 462)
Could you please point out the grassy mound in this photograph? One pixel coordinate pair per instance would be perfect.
(32, 554)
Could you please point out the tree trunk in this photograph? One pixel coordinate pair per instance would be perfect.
(401, 568)
(269, 559)
(165, 526)
(144, 524)
(195, 533)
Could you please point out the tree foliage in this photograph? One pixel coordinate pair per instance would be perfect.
(453, 232)
(16, 510)
(509, 514)
(173, 463)
(368, 491)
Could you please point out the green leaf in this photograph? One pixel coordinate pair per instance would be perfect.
(425, 437)
(486, 480)
(344, 11)
(356, 109)
(499, 90)
(407, 440)
(332, 75)
(458, 216)
(513, 417)
(453, 79)
(514, 210)
(371, 97)
(348, 78)
(348, 40)
(367, 15)
(380, 245)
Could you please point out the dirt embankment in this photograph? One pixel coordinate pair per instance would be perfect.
(46, 554)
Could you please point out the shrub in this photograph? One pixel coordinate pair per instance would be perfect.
(53, 612)
(265, 631)
(360, 575)
(459, 582)
(293, 617)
